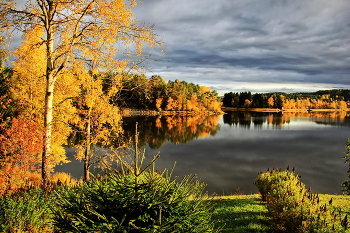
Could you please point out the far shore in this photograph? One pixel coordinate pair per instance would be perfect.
(283, 110)
(146, 112)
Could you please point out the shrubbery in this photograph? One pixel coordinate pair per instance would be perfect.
(123, 202)
(133, 199)
(346, 184)
(26, 210)
(293, 208)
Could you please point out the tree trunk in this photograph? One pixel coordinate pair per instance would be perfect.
(48, 132)
(48, 114)
(87, 151)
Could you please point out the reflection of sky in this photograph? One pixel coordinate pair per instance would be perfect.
(233, 157)
(236, 154)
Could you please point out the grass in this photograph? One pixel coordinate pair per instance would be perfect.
(247, 213)
(241, 213)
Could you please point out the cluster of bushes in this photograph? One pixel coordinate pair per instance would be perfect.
(142, 199)
(293, 208)
(132, 199)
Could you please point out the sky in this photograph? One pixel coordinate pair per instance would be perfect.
(251, 45)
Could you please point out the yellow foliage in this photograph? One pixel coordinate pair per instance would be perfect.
(204, 89)
(62, 177)
(28, 87)
(58, 36)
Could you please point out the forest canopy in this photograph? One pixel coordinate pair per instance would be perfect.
(322, 99)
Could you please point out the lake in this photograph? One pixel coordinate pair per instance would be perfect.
(227, 151)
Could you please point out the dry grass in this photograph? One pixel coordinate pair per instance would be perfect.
(62, 177)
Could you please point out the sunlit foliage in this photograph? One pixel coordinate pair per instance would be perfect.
(20, 152)
(293, 208)
(102, 34)
(97, 120)
(155, 94)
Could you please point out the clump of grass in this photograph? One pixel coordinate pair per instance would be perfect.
(33, 178)
(62, 177)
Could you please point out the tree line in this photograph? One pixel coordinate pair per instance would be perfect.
(154, 93)
(323, 99)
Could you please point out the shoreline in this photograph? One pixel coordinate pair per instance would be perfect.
(282, 110)
(145, 112)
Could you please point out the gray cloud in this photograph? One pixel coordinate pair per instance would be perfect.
(277, 42)
(259, 46)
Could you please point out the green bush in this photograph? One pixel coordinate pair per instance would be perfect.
(26, 211)
(346, 184)
(134, 201)
(293, 208)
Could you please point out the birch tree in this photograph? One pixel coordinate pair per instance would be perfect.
(101, 32)
(98, 118)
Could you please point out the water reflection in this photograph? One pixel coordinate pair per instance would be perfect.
(258, 119)
(228, 151)
(157, 130)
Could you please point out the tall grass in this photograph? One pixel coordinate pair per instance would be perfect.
(27, 210)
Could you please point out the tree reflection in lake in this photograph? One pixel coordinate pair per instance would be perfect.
(245, 119)
(243, 143)
(157, 130)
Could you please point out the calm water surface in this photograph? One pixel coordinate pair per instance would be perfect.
(226, 152)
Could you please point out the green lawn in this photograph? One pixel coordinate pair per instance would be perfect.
(247, 213)
(241, 213)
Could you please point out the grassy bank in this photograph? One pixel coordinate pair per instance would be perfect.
(247, 213)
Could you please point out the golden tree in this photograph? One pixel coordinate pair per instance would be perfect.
(271, 101)
(28, 89)
(98, 118)
(96, 31)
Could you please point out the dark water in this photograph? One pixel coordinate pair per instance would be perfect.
(227, 152)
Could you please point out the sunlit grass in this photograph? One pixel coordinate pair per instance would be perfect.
(247, 213)
(62, 177)
(241, 213)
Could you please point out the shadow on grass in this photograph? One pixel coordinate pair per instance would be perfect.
(241, 214)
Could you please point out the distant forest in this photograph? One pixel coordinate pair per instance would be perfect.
(139, 92)
(323, 99)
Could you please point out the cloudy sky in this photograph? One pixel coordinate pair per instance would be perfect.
(252, 45)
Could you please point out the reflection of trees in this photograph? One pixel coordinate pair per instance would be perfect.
(156, 130)
(245, 119)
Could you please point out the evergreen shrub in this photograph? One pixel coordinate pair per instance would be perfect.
(134, 200)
